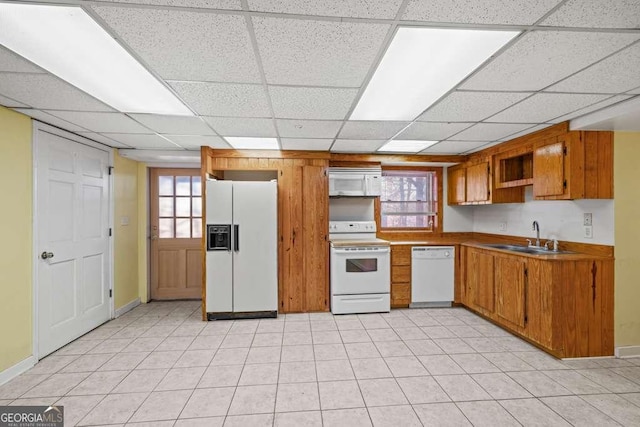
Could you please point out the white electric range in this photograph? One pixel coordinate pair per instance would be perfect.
(360, 269)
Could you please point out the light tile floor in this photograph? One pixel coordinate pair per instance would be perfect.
(160, 365)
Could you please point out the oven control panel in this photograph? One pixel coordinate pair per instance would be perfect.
(352, 227)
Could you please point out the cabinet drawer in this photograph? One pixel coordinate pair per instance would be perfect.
(400, 273)
(401, 255)
(400, 294)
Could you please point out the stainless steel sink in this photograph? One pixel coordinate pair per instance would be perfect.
(525, 249)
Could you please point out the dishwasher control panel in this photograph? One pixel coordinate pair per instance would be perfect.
(436, 252)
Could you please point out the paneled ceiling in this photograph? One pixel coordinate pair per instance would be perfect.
(295, 69)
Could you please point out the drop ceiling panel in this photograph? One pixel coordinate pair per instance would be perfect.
(543, 107)
(47, 92)
(432, 131)
(219, 99)
(489, 131)
(479, 11)
(357, 145)
(101, 122)
(371, 129)
(379, 9)
(306, 144)
(204, 4)
(471, 106)
(143, 141)
(230, 126)
(311, 103)
(192, 142)
(541, 58)
(317, 53)
(10, 103)
(598, 105)
(525, 132)
(616, 74)
(52, 120)
(103, 139)
(180, 125)
(181, 45)
(596, 14)
(12, 62)
(453, 147)
(308, 128)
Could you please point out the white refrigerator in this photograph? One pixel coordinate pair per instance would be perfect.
(242, 249)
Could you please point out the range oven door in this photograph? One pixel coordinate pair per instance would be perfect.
(360, 270)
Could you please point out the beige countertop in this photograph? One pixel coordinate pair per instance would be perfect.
(574, 256)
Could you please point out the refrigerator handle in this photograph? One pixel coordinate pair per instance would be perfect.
(236, 237)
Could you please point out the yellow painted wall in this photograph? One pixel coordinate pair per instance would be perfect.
(143, 226)
(16, 187)
(627, 237)
(125, 236)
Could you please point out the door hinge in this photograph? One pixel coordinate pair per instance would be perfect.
(488, 169)
(110, 232)
(110, 169)
(110, 293)
(564, 151)
(564, 184)
(526, 272)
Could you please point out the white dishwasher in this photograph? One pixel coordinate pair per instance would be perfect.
(432, 272)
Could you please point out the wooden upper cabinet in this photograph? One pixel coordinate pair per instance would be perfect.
(456, 185)
(549, 168)
(477, 180)
(510, 286)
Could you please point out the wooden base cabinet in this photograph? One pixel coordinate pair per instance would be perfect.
(565, 307)
(400, 276)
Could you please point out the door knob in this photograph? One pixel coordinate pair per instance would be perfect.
(46, 255)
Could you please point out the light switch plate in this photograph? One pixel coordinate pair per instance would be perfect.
(588, 231)
(503, 226)
(588, 219)
(124, 220)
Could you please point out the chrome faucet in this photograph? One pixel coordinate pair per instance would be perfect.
(536, 228)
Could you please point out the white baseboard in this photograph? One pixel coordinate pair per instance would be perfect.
(15, 370)
(628, 351)
(128, 307)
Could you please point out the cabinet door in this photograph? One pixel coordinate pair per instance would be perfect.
(478, 182)
(315, 223)
(510, 289)
(548, 168)
(456, 185)
(480, 278)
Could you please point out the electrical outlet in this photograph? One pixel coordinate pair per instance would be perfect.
(503, 226)
(588, 231)
(588, 219)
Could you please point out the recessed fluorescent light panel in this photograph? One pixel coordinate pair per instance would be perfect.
(67, 42)
(243, 143)
(421, 65)
(405, 146)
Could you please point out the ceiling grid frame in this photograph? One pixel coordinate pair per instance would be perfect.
(395, 23)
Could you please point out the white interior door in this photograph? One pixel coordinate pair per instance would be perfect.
(255, 256)
(72, 240)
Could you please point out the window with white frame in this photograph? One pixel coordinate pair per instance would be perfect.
(409, 199)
